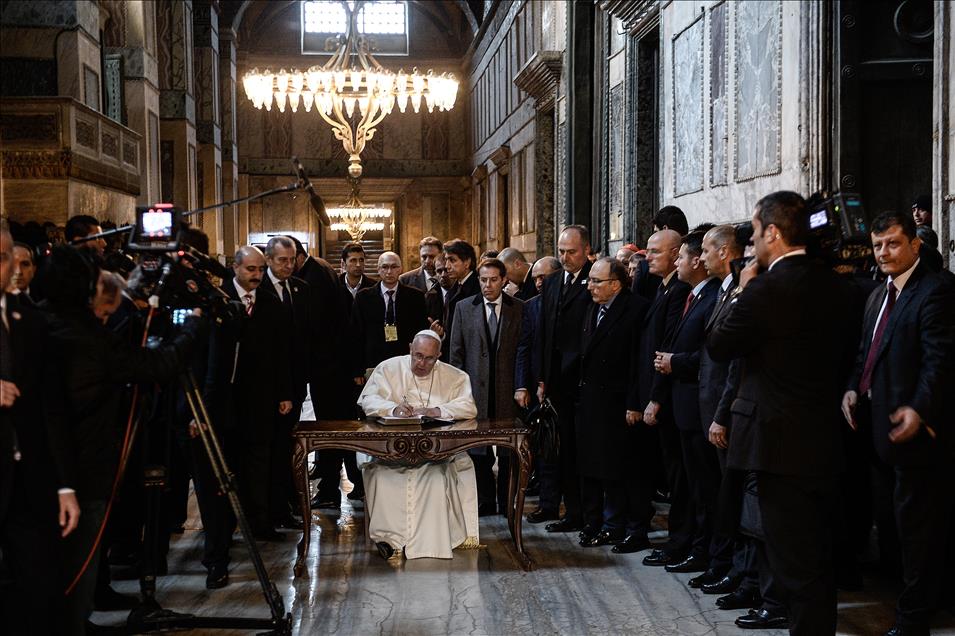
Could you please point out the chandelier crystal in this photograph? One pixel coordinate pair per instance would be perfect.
(353, 100)
(355, 218)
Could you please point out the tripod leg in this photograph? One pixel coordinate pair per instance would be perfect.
(226, 481)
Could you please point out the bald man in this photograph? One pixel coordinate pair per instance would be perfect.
(385, 317)
(665, 312)
(520, 282)
(253, 383)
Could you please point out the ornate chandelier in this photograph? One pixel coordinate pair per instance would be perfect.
(343, 93)
(355, 218)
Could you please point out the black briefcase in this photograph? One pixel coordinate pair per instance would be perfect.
(542, 420)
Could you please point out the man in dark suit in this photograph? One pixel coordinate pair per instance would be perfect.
(33, 486)
(423, 277)
(608, 446)
(461, 261)
(24, 269)
(436, 297)
(527, 363)
(898, 390)
(565, 303)
(483, 344)
(294, 294)
(520, 282)
(678, 366)
(353, 269)
(780, 325)
(385, 317)
(665, 311)
(262, 385)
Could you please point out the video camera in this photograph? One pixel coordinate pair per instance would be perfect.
(176, 274)
(839, 228)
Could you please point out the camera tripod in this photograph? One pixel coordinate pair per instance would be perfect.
(150, 616)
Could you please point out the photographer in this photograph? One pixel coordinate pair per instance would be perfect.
(91, 367)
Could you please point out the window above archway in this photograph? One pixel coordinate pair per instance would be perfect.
(384, 23)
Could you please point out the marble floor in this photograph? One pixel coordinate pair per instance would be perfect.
(349, 589)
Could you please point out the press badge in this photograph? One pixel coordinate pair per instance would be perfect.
(391, 333)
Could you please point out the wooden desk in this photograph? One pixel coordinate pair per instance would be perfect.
(413, 446)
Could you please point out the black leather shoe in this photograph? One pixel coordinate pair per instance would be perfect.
(762, 619)
(217, 578)
(739, 599)
(899, 630)
(709, 576)
(603, 537)
(631, 543)
(658, 558)
(487, 509)
(724, 585)
(385, 550)
(323, 501)
(540, 515)
(689, 564)
(109, 600)
(564, 525)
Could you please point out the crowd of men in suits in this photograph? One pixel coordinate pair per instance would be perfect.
(766, 400)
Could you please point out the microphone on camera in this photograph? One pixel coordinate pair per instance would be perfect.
(314, 200)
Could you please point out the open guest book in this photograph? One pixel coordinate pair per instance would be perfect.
(425, 422)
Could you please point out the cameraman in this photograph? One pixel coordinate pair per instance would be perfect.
(91, 368)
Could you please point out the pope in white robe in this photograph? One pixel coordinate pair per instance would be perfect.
(430, 509)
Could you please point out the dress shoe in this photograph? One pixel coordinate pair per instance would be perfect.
(218, 577)
(709, 576)
(325, 501)
(762, 619)
(658, 558)
(604, 537)
(385, 550)
(689, 564)
(267, 534)
(541, 515)
(289, 523)
(899, 630)
(739, 599)
(564, 525)
(724, 585)
(487, 509)
(631, 543)
(109, 600)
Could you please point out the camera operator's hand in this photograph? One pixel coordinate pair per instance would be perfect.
(285, 407)
(650, 413)
(849, 402)
(197, 312)
(8, 393)
(69, 513)
(748, 273)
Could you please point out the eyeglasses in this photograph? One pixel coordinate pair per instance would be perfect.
(597, 281)
(423, 358)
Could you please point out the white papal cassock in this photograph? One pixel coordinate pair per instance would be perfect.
(429, 509)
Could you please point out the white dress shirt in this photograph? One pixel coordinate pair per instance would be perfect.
(899, 282)
(799, 252)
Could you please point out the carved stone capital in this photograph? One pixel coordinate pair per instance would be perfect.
(633, 13)
(501, 156)
(540, 77)
(479, 173)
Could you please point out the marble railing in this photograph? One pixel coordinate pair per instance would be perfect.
(58, 138)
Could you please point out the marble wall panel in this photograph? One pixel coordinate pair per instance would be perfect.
(719, 107)
(616, 121)
(687, 101)
(758, 96)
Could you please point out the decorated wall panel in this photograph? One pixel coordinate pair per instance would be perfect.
(687, 104)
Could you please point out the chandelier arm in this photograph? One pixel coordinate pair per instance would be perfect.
(348, 140)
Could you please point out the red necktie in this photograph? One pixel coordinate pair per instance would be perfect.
(866, 382)
(249, 303)
(686, 307)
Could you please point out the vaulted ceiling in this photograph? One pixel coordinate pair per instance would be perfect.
(272, 26)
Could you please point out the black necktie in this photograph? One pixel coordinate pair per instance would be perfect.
(6, 352)
(390, 310)
(286, 297)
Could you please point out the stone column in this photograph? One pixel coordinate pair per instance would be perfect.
(177, 106)
(205, 20)
(230, 238)
(540, 78)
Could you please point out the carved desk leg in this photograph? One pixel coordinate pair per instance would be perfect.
(300, 468)
(523, 457)
(512, 484)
